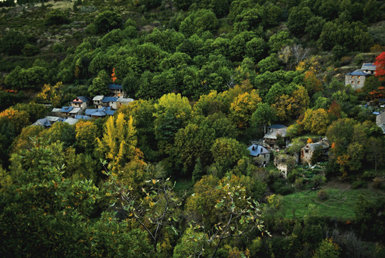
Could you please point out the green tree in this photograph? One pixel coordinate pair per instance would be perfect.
(262, 117)
(12, 42)
(298, 17)
(226, 153)
(192, 143)
(107, 21)
(99, 84)
(198, 22)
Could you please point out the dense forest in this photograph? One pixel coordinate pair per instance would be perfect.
(172, 172)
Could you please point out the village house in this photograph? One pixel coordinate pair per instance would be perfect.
(124, 101)
(80, 102)
(116, 90)
(110, 102)
(314, 152)
(357, 78)
(260, 154)
(62, 112)
(97, 100)
(380, 121)
(274, 134)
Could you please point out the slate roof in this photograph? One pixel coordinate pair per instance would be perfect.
(109, 99)
(115, 87)
(277, 126)
(125, 100)
(82, 117)
(43, 122)
(80, 99)
(66, 109)
(71, 121)
(275, 130)
(368, 66)
(255, 150)
(98, 98)
(54, 118)
(47, 121)
(99, 112)
(56, 110)
(358, 72)
(75, 110)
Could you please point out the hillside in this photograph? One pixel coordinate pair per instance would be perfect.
(180, 128)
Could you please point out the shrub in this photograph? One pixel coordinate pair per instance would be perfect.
(322, 195)
(56, 17)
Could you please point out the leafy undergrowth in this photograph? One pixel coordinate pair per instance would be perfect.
(339, 205)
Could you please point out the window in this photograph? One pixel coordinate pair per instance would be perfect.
(358, 82)
(352, 82)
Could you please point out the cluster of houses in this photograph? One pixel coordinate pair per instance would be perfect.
(267, 150)
(356, 80)
(275, 136)
(84, 108)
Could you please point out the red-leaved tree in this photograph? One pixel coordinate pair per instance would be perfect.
(380, 66)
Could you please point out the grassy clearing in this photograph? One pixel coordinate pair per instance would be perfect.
(340, 204)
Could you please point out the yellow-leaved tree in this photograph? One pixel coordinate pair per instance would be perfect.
(118, 143)
(243, 107)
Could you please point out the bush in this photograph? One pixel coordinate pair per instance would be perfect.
(322, 195)
(30, 50)
(107, 21)
(56, 17)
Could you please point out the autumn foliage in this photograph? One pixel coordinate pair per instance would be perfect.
(380, 66)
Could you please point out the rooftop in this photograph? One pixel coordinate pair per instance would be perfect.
(115, 87)
(358, 72)
(255, 150)
(98, 98)
(80, 99)
(109, 99)
(125, 100)
(368, 66)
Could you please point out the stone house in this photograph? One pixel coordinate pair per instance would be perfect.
(111, 102)
(80, 102)
(274, 133)
(357, 78)
(260, 154)
(124, 101)
(314, 152)
(97, 100)
(116, 90)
